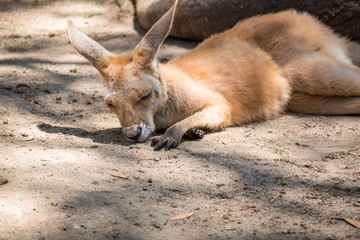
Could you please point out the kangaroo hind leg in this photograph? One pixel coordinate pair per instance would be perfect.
(317, 74)
(324, 105)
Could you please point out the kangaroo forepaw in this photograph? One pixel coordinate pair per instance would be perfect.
(164, 141)
(195, 133)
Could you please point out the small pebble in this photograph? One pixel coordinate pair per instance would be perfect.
(3, 181)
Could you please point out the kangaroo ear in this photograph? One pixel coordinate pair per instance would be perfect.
(86, 46)
(146, 50)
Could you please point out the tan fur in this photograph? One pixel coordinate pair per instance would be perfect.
(251, 72)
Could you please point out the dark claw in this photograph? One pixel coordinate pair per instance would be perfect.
(169, 145)
(166, 141)
(154, 142)
(159, 145)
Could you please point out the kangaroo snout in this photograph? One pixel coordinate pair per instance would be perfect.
(137, 133)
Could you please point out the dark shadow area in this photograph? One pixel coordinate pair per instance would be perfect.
(260, 177)
(108, 136)
(119, 206)
(32, 62)
(13, 5)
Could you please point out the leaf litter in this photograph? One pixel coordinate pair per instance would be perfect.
(116, 173)
(288, 175)
(350, 221)
(182, 216)
(249, 206)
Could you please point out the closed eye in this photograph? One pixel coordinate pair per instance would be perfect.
(145, 97)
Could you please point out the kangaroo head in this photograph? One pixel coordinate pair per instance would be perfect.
(134, 87)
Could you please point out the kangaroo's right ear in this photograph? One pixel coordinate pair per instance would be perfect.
(86, 46)
(145, 52)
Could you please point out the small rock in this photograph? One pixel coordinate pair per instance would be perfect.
(3, 181)
(21, 88)
(73, 70)
(330, 237)
(157, 225)
(5, 122)
(288, 231)
(69, 113)
(51, 35)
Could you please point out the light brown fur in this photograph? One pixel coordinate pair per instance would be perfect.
(249, 73)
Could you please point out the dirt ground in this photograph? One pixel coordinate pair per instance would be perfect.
(288, 178)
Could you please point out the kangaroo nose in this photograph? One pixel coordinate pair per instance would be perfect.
(133, 134)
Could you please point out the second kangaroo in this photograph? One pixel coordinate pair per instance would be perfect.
(254, 71)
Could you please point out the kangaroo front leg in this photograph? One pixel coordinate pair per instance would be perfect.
(211, 117)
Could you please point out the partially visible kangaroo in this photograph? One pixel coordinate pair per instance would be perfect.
(249, 73)
(199, 19)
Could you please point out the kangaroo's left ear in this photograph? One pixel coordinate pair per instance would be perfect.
(145, 52)
(86, 46)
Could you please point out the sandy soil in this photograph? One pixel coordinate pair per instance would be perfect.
(283, 179)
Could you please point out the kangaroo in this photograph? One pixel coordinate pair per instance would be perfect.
(252, 72)
(199, 19)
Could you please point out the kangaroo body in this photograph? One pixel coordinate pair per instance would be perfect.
(252, 72)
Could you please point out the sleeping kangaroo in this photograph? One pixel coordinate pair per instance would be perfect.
(252, 72)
